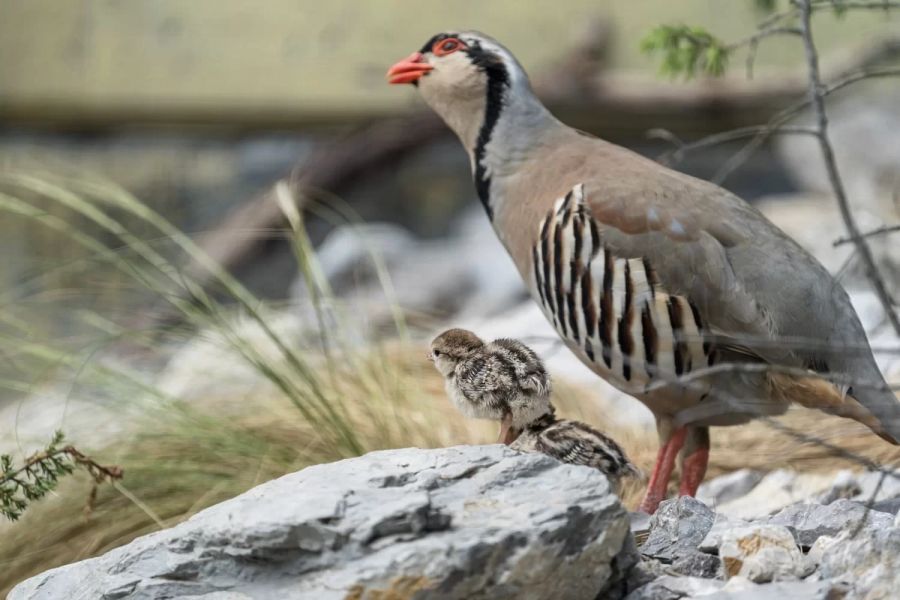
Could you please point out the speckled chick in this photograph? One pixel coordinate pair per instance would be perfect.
(506, 381)
(502, 380)
(575, 443)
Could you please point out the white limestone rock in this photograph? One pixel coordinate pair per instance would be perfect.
(462, 522)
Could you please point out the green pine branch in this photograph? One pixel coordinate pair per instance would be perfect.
(41, 472)
(687, 51)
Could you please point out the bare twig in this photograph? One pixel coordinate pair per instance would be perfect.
(740, 367)
(682, 147)
(779, 119)
(853, 4)
(741, 405)
(873, 233)
(817, 100)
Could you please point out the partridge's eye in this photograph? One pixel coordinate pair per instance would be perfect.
(436, 353)
(446, 46)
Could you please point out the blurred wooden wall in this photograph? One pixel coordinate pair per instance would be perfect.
(299, 62)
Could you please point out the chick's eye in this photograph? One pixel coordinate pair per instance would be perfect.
(446, 46)
(436, 353)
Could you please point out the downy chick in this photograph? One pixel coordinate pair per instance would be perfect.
(575, 443)
(505, 380)
(502, 380)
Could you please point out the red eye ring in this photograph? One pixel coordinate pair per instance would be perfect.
(446, 46)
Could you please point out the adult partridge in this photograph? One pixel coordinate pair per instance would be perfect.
(669, 287)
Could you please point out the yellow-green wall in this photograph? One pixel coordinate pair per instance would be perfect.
(301, 57)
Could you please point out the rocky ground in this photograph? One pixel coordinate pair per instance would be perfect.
(485, 522)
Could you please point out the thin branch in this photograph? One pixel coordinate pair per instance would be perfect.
(860, 75)
(743, 405)
(817, 93)
(782, 117)
(763, 33)
(873, 233)
(98, 472)
(718, 138)
(700, 374)
(852, 4)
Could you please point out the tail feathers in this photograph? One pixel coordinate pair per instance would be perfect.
(879, 410)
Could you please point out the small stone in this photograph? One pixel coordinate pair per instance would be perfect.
(817, 550)
(713, 539)
(775, 491)
(844, 486)
(640, 526)
(890, 505)
(728, 487)
(645, 571)
(698, 564)
(761, 553)
(669, 587)
(868, 562)
(876, 486)
(739, 588)
(810, 521)
(677, 527)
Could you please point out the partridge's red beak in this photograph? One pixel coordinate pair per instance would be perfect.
(408, 70)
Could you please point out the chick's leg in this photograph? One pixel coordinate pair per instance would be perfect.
(508, 433)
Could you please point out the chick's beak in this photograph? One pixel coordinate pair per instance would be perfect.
(408, 70)
(430, 356)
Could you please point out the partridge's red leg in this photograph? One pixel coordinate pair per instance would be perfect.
(662, 471)
(693, 465)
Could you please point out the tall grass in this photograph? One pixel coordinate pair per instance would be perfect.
(332, 393)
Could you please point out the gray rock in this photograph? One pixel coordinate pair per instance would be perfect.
(728, 487)
(793, 590)
(774, 492)
(677, 528)
(463, 522)
(713, 539)
(647, 570)
(697, 564)
(809, 521)
(669, 587)
(761, 553)
(877, 486)
(817, 551)
(845, 485)
(891, 506)
(868, 563)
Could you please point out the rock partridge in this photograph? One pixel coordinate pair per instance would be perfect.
(506, 381)
(669, 287)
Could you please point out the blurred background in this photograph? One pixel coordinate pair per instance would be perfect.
(127, 123)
